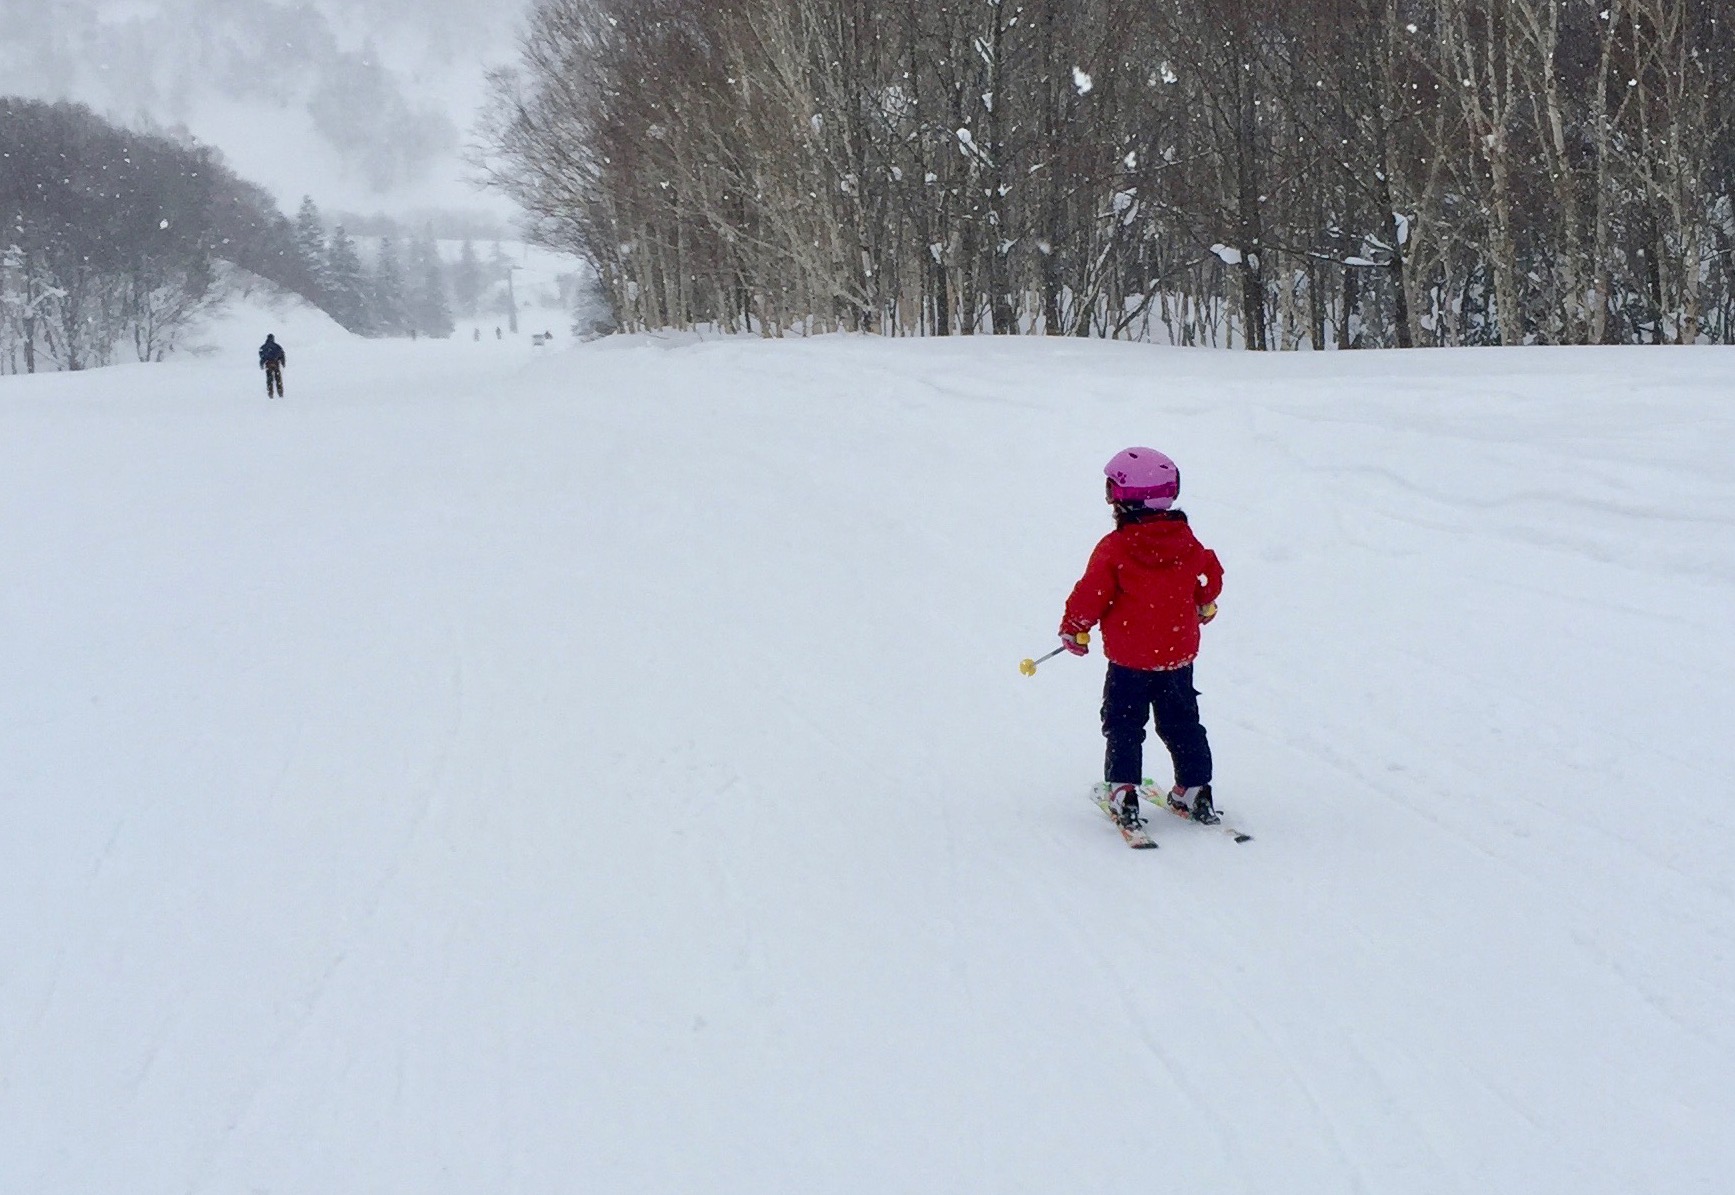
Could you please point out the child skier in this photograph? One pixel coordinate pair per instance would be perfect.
(1152, 585)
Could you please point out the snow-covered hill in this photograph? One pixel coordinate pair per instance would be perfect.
(609, 771)
(543, 284)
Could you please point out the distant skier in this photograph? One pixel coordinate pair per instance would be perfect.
(272, 359)
(1152, 585)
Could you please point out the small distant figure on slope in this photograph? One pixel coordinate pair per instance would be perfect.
(477, 336)
(1152, 585)
(497, 332)
(272, 359)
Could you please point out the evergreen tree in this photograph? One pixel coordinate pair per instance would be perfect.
(467, 281)
(346, 284)
(390, 315)
(310, 246)
(430, 312)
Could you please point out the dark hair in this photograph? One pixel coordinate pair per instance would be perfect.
(1128, 514)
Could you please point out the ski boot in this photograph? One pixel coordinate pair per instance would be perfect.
(1125, 799)
(1195, 803)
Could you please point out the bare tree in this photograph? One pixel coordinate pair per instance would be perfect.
(1272, 173)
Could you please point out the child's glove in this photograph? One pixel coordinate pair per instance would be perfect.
(1078, 645)
(1207, 612)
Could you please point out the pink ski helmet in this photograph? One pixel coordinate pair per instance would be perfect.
(1143, 475)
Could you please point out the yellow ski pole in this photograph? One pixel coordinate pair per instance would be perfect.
(1028, 667)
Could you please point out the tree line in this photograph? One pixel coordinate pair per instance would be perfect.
(393, 295)
(111, 239)
(390, 284)
(1258, 173)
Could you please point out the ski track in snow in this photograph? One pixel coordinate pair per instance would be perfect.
(609, 769)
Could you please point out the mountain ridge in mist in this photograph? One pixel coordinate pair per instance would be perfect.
(366, 104)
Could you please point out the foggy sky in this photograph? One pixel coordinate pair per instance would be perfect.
(364, 104)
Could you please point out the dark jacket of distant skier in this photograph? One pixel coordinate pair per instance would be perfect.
(271, 354)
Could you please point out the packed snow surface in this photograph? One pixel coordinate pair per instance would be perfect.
(608, 769)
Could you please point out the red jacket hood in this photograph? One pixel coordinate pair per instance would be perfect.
(1159, 544)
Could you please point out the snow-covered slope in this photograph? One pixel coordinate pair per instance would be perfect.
(257, 308)
(609, 771)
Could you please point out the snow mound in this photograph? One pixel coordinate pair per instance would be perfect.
(258, 308)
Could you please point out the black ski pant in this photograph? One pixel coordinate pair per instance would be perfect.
(1130, 697)
(274, 379)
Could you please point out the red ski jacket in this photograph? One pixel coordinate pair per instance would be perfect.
(1145, 583)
